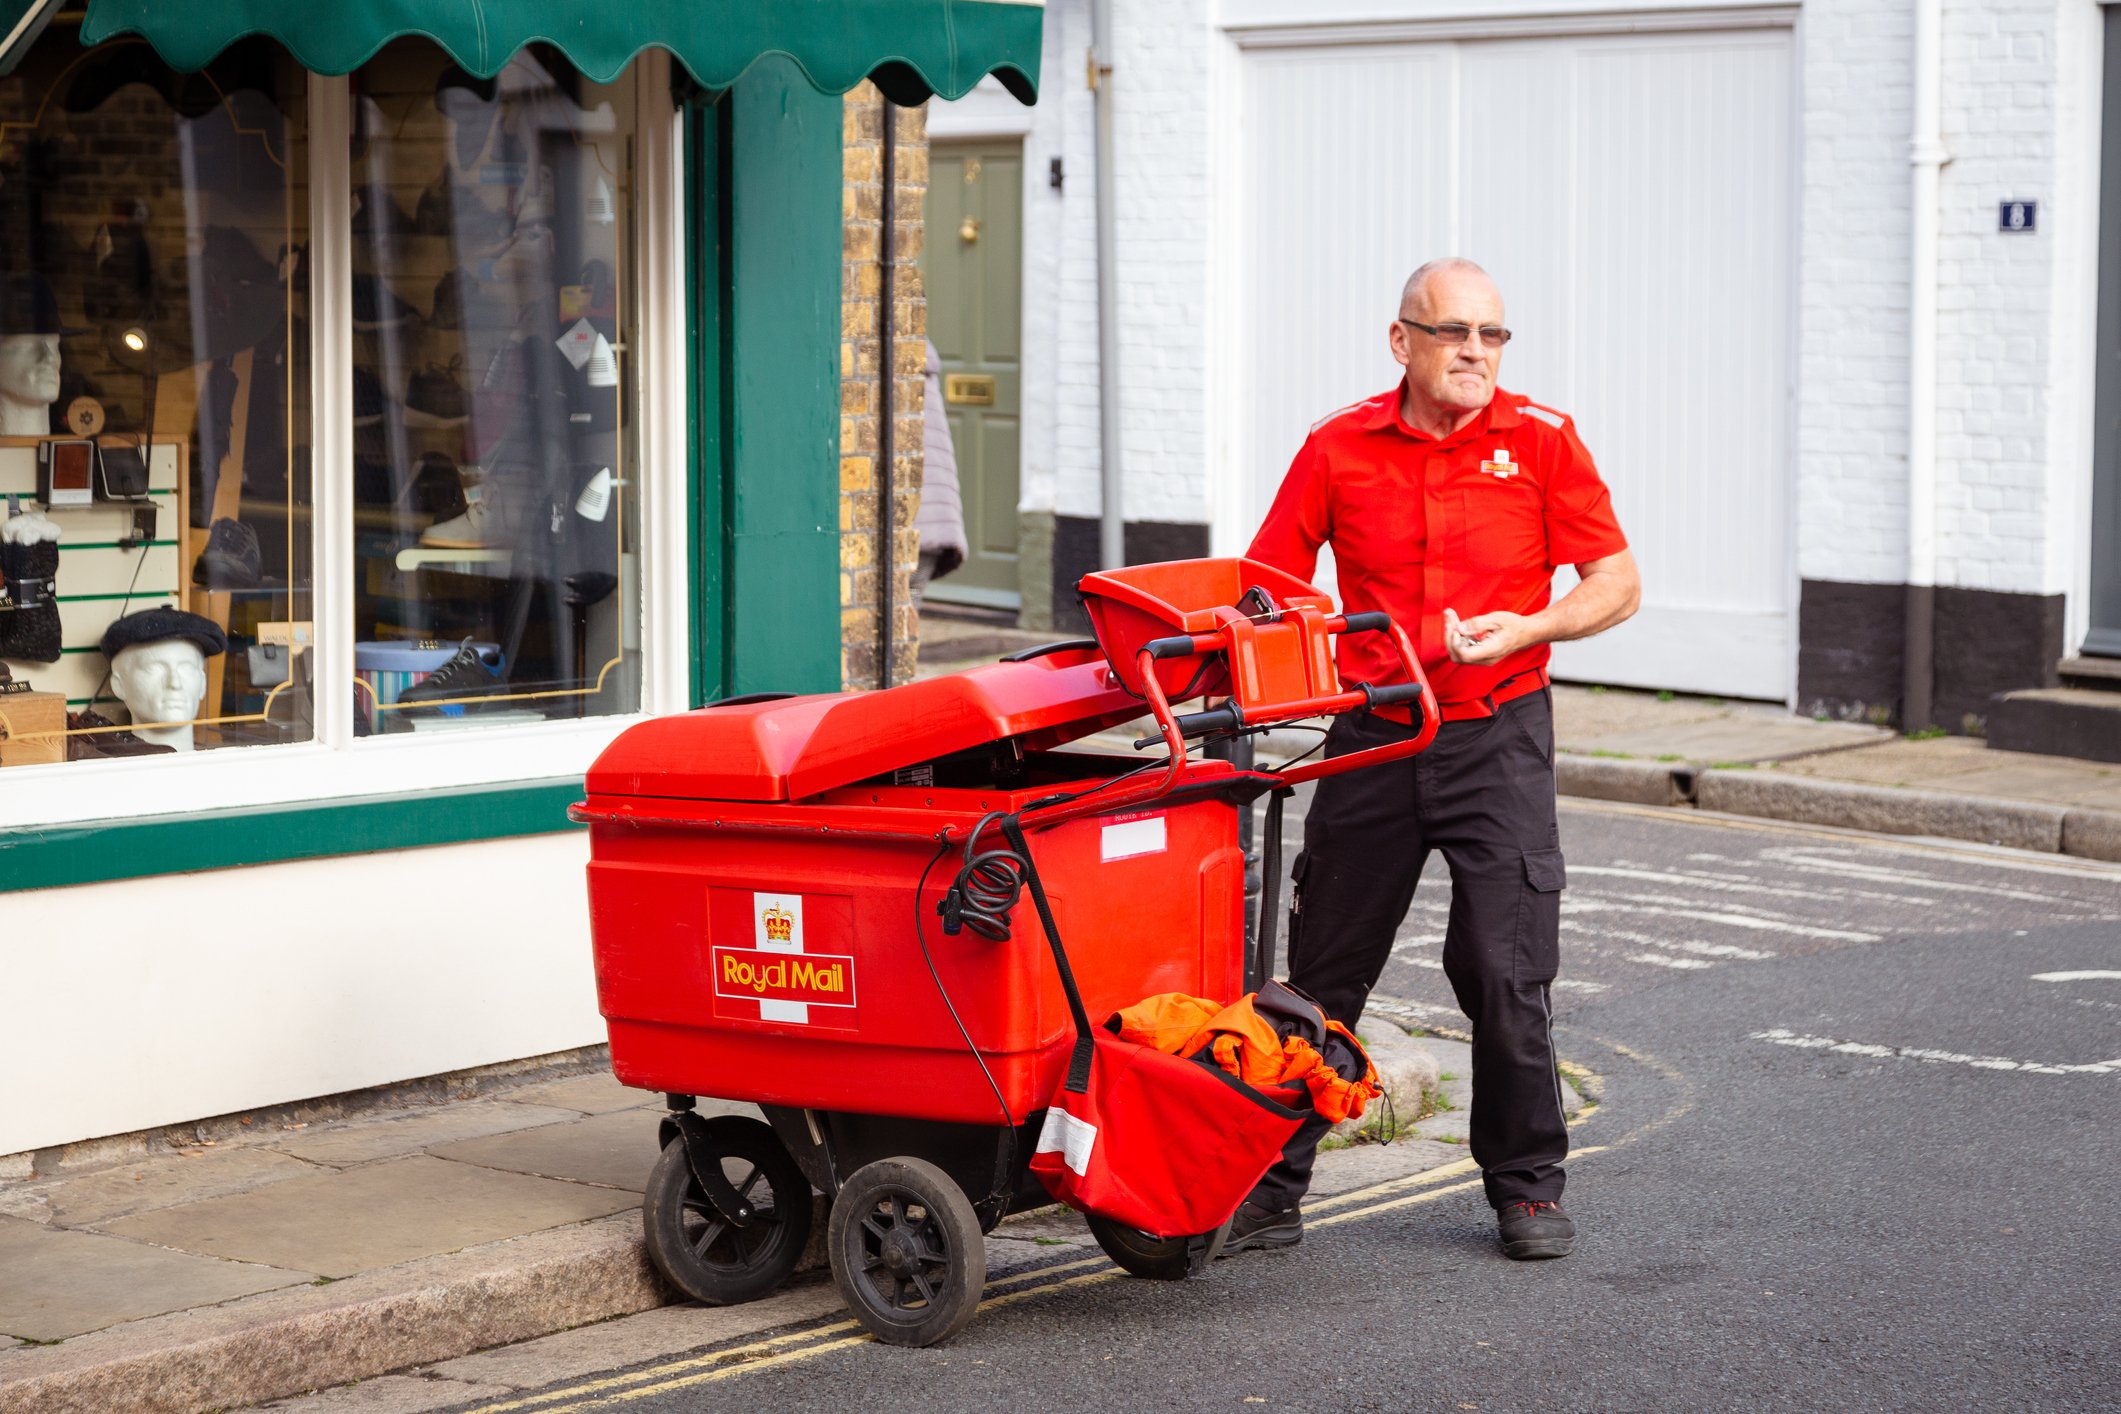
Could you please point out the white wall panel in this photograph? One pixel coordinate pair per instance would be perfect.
(154, 1001)
(1632, 195)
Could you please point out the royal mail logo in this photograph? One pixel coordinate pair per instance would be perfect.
(780, 925)
(812, 979)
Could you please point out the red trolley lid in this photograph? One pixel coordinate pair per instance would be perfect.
(790, 748)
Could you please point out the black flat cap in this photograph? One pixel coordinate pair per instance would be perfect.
(154, 625)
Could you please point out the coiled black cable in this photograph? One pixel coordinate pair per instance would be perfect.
(988, 885)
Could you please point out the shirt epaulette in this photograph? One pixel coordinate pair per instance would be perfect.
(1354, 407)
(1545, 414)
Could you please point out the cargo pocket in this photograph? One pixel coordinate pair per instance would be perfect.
(1539, 916)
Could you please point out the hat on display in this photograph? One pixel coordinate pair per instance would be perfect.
(155, 625)
(28, 306)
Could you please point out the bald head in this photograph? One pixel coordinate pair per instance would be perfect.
(1447, 382)
(1416, 300)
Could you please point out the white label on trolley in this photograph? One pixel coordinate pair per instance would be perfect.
(1071, 1137)
(1127, 838)
(777, 922)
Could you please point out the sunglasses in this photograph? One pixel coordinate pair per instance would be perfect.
(1492, 334)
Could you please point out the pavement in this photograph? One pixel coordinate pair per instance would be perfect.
(1749, 758)
(232, 1272)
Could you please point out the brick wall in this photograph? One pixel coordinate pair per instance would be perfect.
(863, 298)
(2013, 309)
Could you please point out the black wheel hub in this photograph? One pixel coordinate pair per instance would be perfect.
(903, 1251)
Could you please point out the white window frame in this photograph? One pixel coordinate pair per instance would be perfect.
(335, 765)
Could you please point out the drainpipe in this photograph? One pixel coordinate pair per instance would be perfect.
(1111, 528)
(1927, 156)
(886, 405)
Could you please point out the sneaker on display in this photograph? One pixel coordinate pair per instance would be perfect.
(436, 397)
(369, 401)
(231, 559)
(478, 670)
(434, 490)
(468, 531)
(375, 306)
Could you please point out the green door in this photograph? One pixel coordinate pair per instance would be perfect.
(972, 264)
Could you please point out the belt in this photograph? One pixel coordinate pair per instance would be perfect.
(1508, 690)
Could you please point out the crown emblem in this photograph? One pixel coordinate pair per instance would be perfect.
(780, 925)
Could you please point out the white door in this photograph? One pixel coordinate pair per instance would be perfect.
(1633, 196)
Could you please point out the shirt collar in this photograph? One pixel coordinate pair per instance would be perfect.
(1499, 415)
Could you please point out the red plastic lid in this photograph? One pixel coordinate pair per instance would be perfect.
(795, 747)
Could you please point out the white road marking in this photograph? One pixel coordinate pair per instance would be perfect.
(1731, 884)
(1623, 935)
(1726, 917)
(1782, 1037)
(1824, 862)
(2096, 974)
(1658, 959)
(1570, 984)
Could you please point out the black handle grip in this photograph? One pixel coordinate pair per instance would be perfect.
(1025, 655)
(1395, 694)
(1224, 718)
(1367, 623)
(1179, 647)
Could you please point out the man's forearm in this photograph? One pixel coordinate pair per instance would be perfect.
(1599, 601)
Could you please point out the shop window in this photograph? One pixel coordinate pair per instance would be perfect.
(333, 446)
(155, 468)
(495, 516)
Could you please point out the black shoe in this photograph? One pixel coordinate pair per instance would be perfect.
(375, 306)
(476, 671)
(231, 559)
(1531, 1231)
(1263, 1228)
(436, 397)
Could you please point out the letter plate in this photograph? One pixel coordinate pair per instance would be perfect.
(969, 389)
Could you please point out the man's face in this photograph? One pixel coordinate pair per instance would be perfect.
(29, 368)
(1459, 377)
(160, 682)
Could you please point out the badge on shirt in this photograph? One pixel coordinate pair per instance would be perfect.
(1502, 468)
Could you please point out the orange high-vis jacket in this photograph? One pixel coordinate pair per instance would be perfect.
(1244, 1043)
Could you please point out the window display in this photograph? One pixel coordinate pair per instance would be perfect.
(495, 514)
(154, 390)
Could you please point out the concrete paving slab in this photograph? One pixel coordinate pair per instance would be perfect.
(60, 1284)
(349, 1142)
(375, 1216)
(389, 1394)
(1054, 1224)
(1746, 738)
(165, 1181)
(649, 1336)
(594, 1094)
(1361, 1165)
(302, 1338)
(1449, 1127)
(615, 1150)
(1779, 795)
(1965, 765)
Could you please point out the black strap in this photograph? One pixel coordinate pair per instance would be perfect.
(1079, 1063)
(1269, 896)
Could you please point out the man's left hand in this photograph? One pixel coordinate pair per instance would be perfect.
(1485, 638)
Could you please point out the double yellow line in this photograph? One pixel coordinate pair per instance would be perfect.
(787, 1349)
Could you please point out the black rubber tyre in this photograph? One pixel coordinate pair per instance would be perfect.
(704, 1255)
(1154, 1258)
(906, 1250)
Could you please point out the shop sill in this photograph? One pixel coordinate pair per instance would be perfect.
(101, 851)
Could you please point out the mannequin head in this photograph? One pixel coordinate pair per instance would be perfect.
(158, 669)
(161, 682)
(29, 356)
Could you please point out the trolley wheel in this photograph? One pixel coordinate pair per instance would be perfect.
(702, 1253)
(1156, 1258)
(906, 1249)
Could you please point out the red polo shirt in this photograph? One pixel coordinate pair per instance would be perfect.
(1475, 522)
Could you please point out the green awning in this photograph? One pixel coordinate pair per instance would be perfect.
(21, 21)
(912, 48)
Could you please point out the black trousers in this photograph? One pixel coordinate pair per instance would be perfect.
(1482, 795)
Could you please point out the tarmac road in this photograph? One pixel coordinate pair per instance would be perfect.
(1861, 1108)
